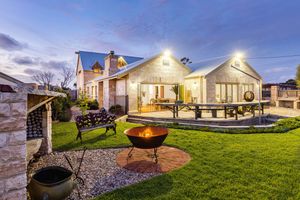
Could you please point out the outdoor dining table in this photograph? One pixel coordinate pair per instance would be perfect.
(199, 107)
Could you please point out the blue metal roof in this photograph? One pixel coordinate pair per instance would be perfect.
(88, 59)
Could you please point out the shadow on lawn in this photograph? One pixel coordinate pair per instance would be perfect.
(76, 144)
(152, 188)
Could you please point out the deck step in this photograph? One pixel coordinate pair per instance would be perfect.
(192, 122)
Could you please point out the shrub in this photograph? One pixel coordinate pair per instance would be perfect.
(65, 116)
(61, 107)
(116, 109)
(82, 102)
(93, 105)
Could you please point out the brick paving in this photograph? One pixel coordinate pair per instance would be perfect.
(142, 161)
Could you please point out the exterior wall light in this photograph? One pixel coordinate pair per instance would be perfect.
(167, 53)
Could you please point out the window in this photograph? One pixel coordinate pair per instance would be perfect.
(92, 92)
(166, 61)
(88, 90)
(96, 93)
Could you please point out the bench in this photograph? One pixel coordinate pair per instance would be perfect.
(93, 121)
(198, 112)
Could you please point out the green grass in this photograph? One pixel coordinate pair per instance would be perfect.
(223, 166)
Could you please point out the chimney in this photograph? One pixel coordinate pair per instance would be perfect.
(111, 64)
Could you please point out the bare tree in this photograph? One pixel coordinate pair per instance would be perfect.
(44, 78)
(68, 76)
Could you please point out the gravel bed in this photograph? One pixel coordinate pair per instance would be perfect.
(99, 171)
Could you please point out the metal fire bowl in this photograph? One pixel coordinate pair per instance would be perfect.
(157, 137)
(52, 182)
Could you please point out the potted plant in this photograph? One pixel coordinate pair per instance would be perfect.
(175, 89)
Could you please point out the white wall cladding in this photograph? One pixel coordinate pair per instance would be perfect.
(157, 73)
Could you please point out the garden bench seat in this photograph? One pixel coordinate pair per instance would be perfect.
(93, 121)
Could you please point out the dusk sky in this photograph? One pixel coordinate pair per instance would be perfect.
(44, 35)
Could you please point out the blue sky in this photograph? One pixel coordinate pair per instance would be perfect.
(43, 35)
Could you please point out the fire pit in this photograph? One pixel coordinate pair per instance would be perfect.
(146, 137)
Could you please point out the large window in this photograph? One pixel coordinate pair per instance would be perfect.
(226, 92)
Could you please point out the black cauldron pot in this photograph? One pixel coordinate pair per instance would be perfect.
(51, 183)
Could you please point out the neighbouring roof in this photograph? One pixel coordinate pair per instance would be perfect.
(88, 59)
(205, 67)
(9, 78)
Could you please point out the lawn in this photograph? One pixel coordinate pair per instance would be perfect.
(223, 166)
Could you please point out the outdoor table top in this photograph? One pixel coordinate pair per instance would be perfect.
(216, 104)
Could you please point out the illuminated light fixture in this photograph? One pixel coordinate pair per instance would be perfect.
(167, 53)
(239, 55)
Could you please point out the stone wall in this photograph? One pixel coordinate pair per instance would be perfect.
(13, 107)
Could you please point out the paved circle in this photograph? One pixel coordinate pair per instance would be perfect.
(142, 161)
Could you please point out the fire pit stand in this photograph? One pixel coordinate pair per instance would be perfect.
(146, 137)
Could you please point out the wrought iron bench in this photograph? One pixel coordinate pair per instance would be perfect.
(93, 121)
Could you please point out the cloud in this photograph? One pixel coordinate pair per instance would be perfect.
(26, 60)
(277, 69)
(10, 44)
(36, 61)
(31, 71)
(53, 64)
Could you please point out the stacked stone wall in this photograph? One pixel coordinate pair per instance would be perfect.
(13, 108)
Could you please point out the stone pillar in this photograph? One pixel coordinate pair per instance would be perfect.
(46, 146)
(274, 94)
(13, 111)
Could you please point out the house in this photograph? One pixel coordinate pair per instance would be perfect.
(221, 80)
(90, 65)
(140, 84)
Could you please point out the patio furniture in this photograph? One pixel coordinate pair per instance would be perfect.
(93, 121)
(228, 108)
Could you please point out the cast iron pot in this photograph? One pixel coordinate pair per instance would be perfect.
(51, 183)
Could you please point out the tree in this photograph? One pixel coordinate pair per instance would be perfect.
(185, 60)
(298, 76)
(291, 82)
(44, 78)
(68, 76)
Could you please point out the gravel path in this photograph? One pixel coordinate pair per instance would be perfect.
(99, 171)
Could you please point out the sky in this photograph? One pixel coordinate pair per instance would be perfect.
(44, 35)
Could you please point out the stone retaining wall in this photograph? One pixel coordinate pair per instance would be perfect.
(13, 108)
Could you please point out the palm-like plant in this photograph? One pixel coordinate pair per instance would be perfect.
(175, 89)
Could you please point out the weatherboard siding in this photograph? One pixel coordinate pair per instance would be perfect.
(154, 72)
(227, 74)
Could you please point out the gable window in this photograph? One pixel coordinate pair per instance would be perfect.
(166, 61)
(121, 62)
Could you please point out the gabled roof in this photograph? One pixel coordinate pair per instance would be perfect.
(208, 66)
(133, 66)
(205, 67)
(88, 59)
(126, 69)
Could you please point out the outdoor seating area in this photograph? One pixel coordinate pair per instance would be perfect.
(231, 109)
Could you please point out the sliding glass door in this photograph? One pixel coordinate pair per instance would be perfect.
(226, 92)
